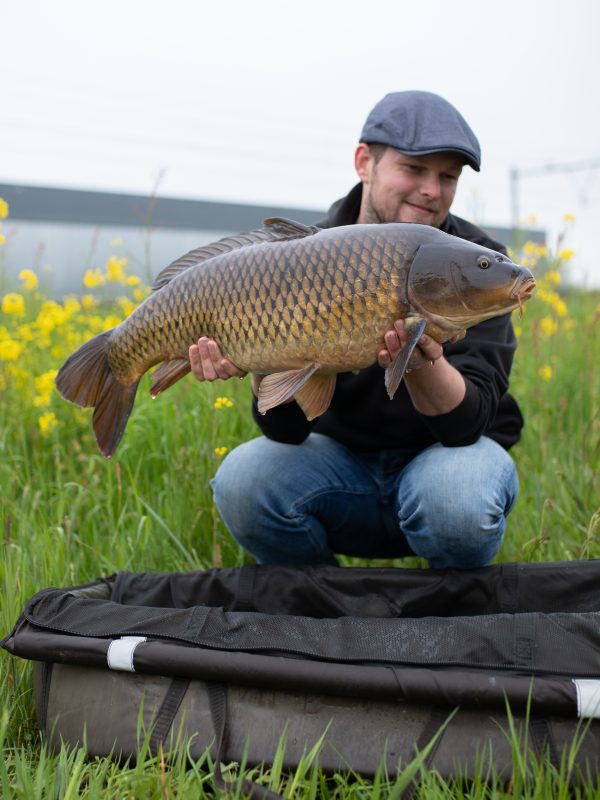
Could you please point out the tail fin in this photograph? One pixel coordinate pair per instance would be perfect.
(86, 379)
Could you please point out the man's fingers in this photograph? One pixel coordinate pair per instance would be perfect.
(196, 362)
(206, 347)
(392, 342)
(430, 349)
(209, 364)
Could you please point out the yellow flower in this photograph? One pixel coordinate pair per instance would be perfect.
(93, 278)
(126, 305)
(9, 350)
(548, 326)
(111, 321)
(553, 276)
(114, 269)
(3, 208)
(44, 385)
(29, 279)
(531, 219)
(2, 238)
(71, 305)
(518, 331)
(13, 303)
(132, 280)
(47, 422)
(51, 314)
(568, 217)
(566, 254)
(25, 333)
(560, 307)
(223, 402)
(88, 301)
(140, 294)
(220, 451)
(545, 373)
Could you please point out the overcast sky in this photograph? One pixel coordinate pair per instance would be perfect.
(264, 101)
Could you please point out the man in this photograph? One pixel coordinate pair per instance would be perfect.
(426, 473)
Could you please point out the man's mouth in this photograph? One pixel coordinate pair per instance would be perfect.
(421, 209)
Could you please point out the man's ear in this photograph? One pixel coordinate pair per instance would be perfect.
(363, 162)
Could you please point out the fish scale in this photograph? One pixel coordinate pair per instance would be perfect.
(294, 304)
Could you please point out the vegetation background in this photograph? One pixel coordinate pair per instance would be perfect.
(68, 515)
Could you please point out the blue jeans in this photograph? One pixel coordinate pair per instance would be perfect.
(300, 504)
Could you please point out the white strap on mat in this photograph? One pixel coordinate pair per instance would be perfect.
(588, 697)
(120, 652)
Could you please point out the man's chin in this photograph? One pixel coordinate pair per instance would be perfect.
(419, 217)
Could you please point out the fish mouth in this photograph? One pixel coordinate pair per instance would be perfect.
(521, 290)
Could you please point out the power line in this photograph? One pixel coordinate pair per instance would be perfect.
(516, 174)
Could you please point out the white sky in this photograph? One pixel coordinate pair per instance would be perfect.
(264, 101)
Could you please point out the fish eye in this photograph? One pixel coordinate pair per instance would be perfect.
(483, 262)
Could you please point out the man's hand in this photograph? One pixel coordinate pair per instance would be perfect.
(209, 364)
(428, 351)
(437, 388)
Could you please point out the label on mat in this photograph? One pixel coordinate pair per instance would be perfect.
(120, 652)
(588, 697)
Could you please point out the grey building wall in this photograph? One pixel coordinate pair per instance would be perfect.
(62, 232)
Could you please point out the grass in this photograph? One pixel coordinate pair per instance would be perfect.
(68, 516)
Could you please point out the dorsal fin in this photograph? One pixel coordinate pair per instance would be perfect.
(275, 229)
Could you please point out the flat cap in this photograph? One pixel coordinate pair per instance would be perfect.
(419, 124)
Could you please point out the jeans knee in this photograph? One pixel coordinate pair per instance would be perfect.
(232, 479)
(239, 488)
(454, 536)
(457, 518)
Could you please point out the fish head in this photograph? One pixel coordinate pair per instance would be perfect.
(456, 284)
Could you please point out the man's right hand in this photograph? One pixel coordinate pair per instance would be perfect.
(209, 364)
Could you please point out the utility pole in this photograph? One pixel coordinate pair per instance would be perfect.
(516, 174)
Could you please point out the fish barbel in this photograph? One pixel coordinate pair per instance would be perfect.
(296, 304)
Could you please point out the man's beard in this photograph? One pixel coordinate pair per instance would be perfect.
(374, 215)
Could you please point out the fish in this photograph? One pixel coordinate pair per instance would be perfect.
(296, 304)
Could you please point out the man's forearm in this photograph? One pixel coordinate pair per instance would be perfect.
(436, 388)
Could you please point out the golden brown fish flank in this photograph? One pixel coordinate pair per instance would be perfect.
(291, 302)
(270, 306)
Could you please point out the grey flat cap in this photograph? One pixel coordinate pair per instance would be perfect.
(421, 123)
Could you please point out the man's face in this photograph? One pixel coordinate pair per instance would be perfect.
(400, 188)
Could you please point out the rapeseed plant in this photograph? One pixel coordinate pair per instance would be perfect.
(38, 333)
(548, 268)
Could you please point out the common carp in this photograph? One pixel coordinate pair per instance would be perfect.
(297, 304)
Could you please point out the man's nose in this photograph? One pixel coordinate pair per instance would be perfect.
(430, 185)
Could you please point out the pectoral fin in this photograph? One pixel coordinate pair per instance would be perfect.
(395, 372)
(280, 387)
(315, 396)
(168, 373)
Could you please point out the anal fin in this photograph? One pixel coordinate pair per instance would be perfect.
(395, 372)
(315, 396)
(279, 387)
(168, 373)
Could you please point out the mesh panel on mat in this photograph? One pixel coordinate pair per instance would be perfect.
(541, 642)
